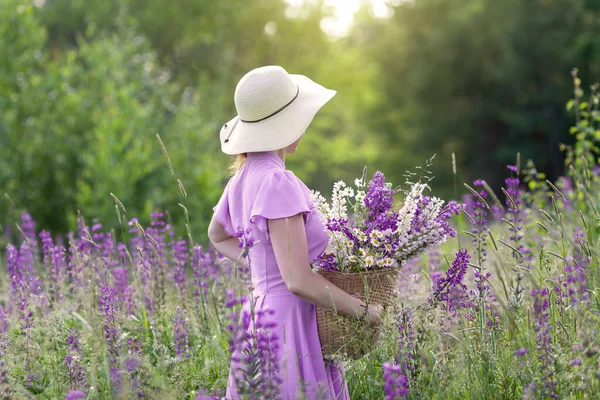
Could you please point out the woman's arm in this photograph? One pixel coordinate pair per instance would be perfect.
(223, 243)
(288, 238)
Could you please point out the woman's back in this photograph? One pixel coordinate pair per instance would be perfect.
(263, 189)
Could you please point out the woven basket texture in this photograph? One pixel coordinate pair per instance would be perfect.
(347, 337)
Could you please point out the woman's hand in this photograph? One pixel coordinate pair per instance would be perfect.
(375, 313)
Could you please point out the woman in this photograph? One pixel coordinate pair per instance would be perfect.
(274, 109)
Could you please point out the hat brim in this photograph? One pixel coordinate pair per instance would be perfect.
(281, 129)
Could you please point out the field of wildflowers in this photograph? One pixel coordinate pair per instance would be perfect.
(509, 308)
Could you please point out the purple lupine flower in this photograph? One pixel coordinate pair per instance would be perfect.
(129, 297)
(529, 392)
(575, 362)
(3, 322)
(15, 270)
(120, 280)
(83, 243)
(74, 361)
(405, 358)
(4, 393)
(396, 383)
(576, 281)
(451, 208)
(180, 334)
(514, 210)
(480, 229)
(514, 215)
(54, 261)
(544, 339)
(448, 287)
(112, 331)
(521, 352)
(246, 242)
(254, 350)
(47, 243)
(123, 257)
(434, 260)
(379, 198)
(327, 262)
(200, 272)
(20, 286)
(75, 395)
(28, 227)
(132, 364)
(180, 255)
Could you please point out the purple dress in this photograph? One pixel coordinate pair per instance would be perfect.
(263, 189)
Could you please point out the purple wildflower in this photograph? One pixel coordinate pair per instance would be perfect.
(179, 259)
(450, 289)
(246, 242)
(199, 263)
(254, 347)
(112, 331)
(521, 352)
(576, 281)
(181, 334)
(74, 361)
(28, 227)
(396, 383)
(327, 262)
(3, 322)
(120, 280)
(576, 362)
(75, 395)
(514, 215)
(379, 198)
(132, 364)
(4, 393)
(407, 344)
(544, 339)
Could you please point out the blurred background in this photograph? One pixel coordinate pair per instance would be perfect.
(85, 86)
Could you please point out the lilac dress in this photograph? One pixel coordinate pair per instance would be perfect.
(263, 189)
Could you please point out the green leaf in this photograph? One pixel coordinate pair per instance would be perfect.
(570, 104)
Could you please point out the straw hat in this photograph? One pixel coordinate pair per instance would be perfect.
(274, 109)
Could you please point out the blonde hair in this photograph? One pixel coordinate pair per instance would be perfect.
(237, 163)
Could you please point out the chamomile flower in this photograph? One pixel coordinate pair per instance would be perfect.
(373, 234)
(352, 258)
(380, 262)
(362, 252)
(362, 237)
(388, 247)
(350, 243)
(360, 196)
(388, 262)
(375, 242)
(370, 261)
(358, 183)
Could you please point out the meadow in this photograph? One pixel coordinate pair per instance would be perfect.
(507, 309)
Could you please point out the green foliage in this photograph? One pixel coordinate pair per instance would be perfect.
(82, 124)
(485, 80)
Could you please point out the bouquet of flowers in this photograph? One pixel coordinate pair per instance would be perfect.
(367, 249)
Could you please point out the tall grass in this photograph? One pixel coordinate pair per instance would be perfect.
(144, 313)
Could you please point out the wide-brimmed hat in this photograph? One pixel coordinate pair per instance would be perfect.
(274, 109)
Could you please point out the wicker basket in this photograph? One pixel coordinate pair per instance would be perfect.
(345, 336)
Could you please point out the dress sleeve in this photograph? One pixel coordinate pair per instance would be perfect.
(222, 211)
(280, 195)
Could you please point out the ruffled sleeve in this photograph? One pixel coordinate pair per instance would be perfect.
(222, 213)
(280, 195)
